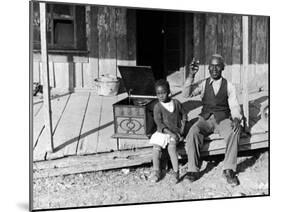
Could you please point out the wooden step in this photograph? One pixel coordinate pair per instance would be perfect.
(127, 158)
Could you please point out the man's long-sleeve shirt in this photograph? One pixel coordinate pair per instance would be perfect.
(190, 90)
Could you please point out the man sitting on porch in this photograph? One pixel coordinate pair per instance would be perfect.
(220, 114)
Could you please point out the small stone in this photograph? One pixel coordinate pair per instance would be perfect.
(68, 186)
(144, 177)
(210, 194)
(238, 194)
(212, 186)
(262, 186)
(146, 172)
(125, 171)
(119, 197)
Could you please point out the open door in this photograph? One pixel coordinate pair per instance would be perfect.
(173, 47)
(150, 48)
(160, 43)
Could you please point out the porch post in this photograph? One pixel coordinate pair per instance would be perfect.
(46, 81)
(245, 54)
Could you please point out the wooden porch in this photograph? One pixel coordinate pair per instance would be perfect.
(83, 126)
(78, 126)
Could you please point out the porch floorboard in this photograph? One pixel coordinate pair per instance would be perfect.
(83, 125)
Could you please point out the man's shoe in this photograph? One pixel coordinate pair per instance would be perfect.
(192, 176)
(156, 176)
(175, 177)
(231, 177)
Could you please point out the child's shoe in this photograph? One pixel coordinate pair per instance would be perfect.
(156, 176)
(175, 177)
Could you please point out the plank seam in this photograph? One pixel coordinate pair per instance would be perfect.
(43, 127)
(99, 124)
(36, 113)
(57, 124)
(54, 75)
(82, 124)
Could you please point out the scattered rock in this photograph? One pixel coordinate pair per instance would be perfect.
(125, 171)
(133, 186)
(146, 172)
(238, 194)
(212, 186)
(262, 186)
(209, 194)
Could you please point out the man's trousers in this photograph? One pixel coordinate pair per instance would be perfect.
(202, 128)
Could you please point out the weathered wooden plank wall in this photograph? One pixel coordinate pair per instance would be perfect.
(93, 42)
(121, 38)
(112, 42)
(188, 41)
(65, 71)
(258, 57)
(227, 31)
(222, 34)
(107, 42)
(199, 22)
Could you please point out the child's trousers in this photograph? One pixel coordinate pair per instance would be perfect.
(172, 150)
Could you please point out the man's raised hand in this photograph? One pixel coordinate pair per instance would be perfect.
(193, 67)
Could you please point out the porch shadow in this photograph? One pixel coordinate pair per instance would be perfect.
(249, 162)
(54, 96)
(82, 136)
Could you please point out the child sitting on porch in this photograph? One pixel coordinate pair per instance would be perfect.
(168, 115)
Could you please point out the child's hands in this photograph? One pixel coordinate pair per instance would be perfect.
(173, 135)
(183, 124)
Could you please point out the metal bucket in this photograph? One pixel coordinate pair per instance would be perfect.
(107, 85)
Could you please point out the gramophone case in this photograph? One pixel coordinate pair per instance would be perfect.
(133, 116)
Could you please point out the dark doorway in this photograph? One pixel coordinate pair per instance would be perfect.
(150, 41)
(160, 36)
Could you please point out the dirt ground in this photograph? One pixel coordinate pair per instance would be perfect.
(133, 185)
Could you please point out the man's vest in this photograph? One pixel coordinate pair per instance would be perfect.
(215, 104)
